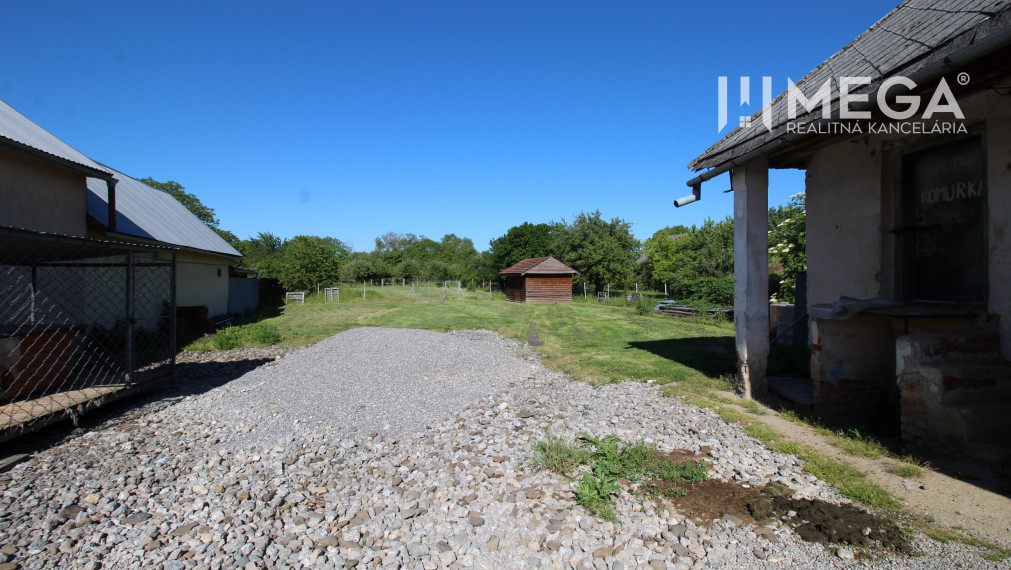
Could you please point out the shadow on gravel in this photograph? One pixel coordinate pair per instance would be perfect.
(712, 356)
(192, 378)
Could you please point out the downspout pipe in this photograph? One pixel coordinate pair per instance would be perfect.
(936, 70)
(111, 184)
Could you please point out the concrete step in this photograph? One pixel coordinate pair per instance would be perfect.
(984, 422)
(961, 382)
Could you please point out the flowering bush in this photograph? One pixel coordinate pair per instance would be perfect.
(788, 246)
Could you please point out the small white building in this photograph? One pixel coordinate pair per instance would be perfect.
(908, 219)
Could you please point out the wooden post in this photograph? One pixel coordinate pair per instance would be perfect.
(626, 294)
(584, 289)
(665, 291)
(363, 288)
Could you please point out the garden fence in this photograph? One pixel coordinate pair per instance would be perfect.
(82, 322)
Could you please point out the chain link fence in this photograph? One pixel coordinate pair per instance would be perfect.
(82, 322)
(397, 289)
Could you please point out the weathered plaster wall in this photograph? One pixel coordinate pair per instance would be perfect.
(853, 371)
(202, 280)
(852, 361)
(39, 195)
(844, 222)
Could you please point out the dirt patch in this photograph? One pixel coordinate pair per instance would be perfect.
(712, 499)
(812, 520)
(818, 521)
(934, 495)
(682, 456)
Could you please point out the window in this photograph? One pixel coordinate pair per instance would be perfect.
(942, 227)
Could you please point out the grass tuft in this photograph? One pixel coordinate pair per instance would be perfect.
(610, 461)
(554, 454)
(907, 469)
(753, 407)
(945, 535)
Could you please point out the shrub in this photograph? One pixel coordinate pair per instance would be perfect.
(261, 333)
(717, 291)
(226, 339)
(644, 306)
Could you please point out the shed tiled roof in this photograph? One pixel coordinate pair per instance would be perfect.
(149, 213)
(20, 130)
(539, 266)
(911, 37)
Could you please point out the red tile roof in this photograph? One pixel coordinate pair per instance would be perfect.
(539, 266)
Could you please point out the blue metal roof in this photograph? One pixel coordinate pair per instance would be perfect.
(18, 129)
(149, 213)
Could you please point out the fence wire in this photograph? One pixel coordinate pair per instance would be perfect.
(82, 322)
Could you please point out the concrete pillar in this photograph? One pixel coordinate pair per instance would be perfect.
(751, 273)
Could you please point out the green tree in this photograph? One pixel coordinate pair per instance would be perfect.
(422, 250)
(391, 245)
(459, 256)
(393, 241)
(409, 269)
(307, 262)
(656, 269)
(788, 245)
(258, 252)
(603, 252)
(697, 262)
(204, 213)
(520, 242)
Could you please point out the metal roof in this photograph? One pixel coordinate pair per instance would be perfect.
(538, 266)
(149, 213)
(18, 129)
(912, 37)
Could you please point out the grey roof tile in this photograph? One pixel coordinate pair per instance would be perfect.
(149, 213)
(901, 41)
(17, 128)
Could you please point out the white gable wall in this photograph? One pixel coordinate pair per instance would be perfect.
(202, 280)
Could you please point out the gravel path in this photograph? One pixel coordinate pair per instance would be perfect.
(390, 448)
(392, 381)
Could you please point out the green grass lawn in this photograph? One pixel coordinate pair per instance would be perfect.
(595, 342)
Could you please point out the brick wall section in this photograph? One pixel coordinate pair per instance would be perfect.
(927, 381)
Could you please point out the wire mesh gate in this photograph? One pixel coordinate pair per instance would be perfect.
(82, 322)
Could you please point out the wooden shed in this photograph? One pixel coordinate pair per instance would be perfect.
(539, 280)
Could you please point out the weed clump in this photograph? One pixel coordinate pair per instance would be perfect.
(613, 462)
(254, 334)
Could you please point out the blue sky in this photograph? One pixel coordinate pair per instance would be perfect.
(353, 119)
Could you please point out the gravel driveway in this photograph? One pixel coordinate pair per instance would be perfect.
(391, 448)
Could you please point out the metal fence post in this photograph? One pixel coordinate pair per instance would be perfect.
(130, 284)
(32, 287)
(172, 319)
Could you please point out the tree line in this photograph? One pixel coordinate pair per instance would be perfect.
(692, 263)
